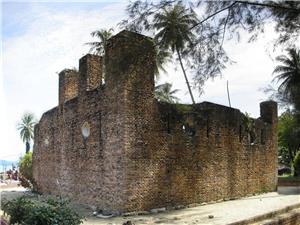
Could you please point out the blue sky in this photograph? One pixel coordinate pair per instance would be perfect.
(41, 39)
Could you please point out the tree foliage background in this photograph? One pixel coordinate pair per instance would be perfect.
(219, 21)
(288, 137)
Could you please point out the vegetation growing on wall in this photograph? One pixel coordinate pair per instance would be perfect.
(249, 128)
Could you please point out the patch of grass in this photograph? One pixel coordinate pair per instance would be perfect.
(183, 108)
(289, 177)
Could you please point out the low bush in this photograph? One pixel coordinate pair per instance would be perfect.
(296, 164)
(17, 209)
(48, 212)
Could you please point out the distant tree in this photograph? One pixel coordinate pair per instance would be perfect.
(284, 156)
(26, 127)
(288, 74)
(288, 137)
(164, 93)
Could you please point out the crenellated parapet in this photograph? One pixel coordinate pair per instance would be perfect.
(90, 69)
(68, 85)
(73, 83)
(269, 112)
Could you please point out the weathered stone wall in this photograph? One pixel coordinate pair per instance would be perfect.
(142, 154)
(68, 85)
(64, 162)
(201, 153)
(90, 68)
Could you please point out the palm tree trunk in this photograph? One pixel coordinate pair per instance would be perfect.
(186, 79)
(103, 69)
(27, 147)
(228, 95)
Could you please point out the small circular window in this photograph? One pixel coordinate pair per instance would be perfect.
(85, 130)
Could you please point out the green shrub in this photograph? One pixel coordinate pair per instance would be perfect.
(296, 164)
(17, 209)
(48, 212)
(25, 168)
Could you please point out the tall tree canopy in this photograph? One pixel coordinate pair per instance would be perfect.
(204, 56)
(26, 129)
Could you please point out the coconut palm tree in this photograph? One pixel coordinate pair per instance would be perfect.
(164, 93)
(288, 73)
(174, 33)
(26, 129)
(98, 47)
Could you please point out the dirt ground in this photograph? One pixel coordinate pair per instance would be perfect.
(215, 214)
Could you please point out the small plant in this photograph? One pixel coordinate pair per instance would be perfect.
(250, 128)
(47, 212)
(248, 122)
(296, 164)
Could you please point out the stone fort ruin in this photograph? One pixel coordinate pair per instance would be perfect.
(116, 147)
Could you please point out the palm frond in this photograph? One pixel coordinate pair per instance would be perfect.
(288, 73)
(26, 127)
(98, 47)
(164, 93)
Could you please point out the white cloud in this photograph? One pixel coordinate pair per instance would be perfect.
(31, 62)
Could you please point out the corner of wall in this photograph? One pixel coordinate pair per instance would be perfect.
(90, 73)
(68, 85)
(268, 112)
